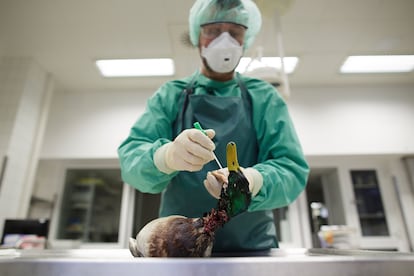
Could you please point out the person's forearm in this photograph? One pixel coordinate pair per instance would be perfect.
(138, 168)
(283, 180)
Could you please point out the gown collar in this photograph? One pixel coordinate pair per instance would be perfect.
(205, 81)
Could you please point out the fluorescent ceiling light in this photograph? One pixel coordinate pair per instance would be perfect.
(136, 67)
(378, 64)
(249, 64)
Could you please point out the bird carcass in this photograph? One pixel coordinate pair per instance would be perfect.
(179, 236)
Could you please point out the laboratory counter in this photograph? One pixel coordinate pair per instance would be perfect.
(279, 262)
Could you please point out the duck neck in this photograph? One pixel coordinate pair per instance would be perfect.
(214, 219)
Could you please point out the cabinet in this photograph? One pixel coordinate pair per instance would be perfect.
(369, 203)
(91, 205)
(366, 198)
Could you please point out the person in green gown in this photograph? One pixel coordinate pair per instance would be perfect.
(165, 154)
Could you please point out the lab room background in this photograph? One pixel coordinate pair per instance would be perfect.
(62, 119)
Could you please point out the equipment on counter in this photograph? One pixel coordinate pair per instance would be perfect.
(25, 233)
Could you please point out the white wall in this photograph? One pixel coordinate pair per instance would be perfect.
(25, 90)
(12, 76)
(90, 125)
(355, 120)
(329, 120)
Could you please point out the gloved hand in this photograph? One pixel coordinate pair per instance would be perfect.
(190, 151)
(216, 179)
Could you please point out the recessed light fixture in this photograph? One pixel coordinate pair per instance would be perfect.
(136, 67)
(378, 64)
(247, 64)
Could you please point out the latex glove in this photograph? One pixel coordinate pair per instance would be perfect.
(216, 179)
(190, 151)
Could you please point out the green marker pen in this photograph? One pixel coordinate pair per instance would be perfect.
(198, 126)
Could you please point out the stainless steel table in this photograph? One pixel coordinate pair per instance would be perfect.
(275, 262)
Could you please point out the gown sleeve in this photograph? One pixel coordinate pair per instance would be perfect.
(151, 131)
(281, 160)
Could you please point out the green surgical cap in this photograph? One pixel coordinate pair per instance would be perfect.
(243, 12)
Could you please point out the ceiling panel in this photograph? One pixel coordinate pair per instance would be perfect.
(66, 37)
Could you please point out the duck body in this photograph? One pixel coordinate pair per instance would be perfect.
(178, 236)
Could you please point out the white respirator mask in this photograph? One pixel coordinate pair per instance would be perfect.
(223, 53)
